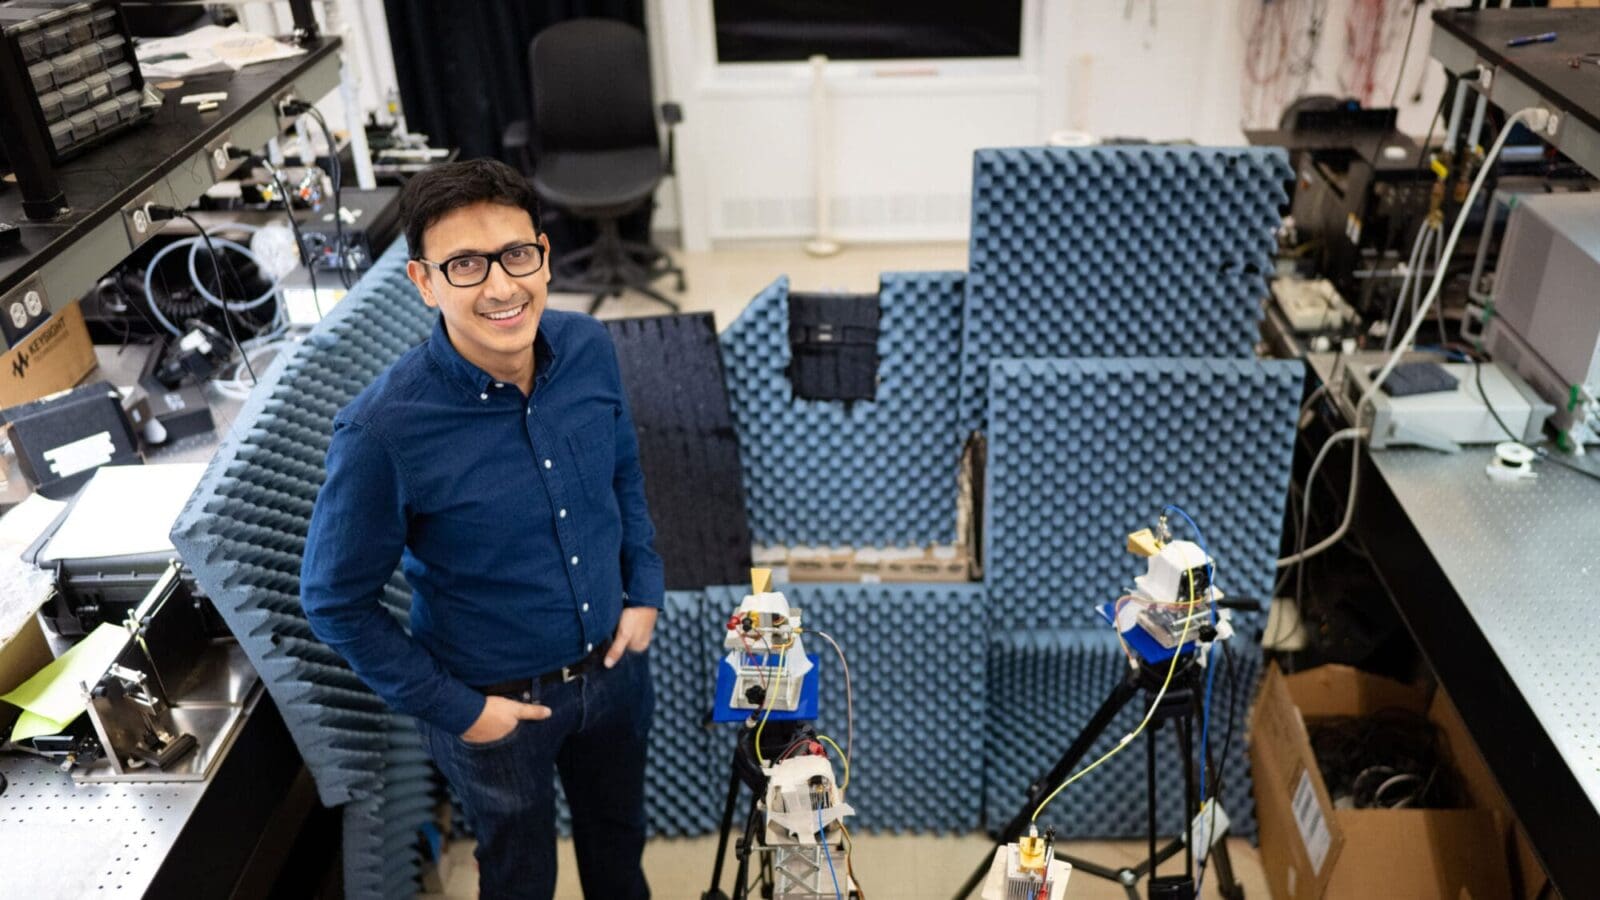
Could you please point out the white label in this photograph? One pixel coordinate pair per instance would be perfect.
(81, 455)
(1207, 828)
(1313, 827)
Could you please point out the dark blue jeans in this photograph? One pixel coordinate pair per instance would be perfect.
(595, 738)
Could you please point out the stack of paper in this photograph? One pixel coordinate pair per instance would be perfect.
(211, 48)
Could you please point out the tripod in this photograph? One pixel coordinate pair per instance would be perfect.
(1180, 707)
(746, 769)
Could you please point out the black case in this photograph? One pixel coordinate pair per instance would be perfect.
(76, 433)
(833, 346)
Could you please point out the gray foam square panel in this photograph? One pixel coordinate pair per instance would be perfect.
(1117, 251)
(1082, 452)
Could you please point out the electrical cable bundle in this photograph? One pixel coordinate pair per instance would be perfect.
(1536, 119)
(1387, 760)
(336, 175)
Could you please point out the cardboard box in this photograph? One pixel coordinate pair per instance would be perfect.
(22, 655)
(950, 564)
(816, 564)
(1527, 874)
(51, 358)
(1312, 851)
(936, 564)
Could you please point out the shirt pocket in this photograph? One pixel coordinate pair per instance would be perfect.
(594, 448)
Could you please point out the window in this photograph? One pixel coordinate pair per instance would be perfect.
(794, 30)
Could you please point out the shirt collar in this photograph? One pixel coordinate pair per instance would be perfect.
(474, 380)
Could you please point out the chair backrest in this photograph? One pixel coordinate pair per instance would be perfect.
(591, 87)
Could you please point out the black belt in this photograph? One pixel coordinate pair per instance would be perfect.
(519, 686)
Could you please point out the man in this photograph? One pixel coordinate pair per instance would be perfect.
(497, 463)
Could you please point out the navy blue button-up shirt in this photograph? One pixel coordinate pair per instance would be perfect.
(520, 522)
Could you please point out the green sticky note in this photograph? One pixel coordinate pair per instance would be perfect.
(31, 724)
(55, 694)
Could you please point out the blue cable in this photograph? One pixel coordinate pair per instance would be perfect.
(822, 837)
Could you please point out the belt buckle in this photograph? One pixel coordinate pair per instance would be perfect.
(567, 674)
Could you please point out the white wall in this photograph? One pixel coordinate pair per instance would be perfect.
(903, 134)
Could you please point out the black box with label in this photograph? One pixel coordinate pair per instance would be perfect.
(61, 440)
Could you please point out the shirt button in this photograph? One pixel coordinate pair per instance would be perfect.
(574, 560)
(547, 464)
(586, 607)
(561, 513)
(483, 396)
(499, 384)
(588, 648)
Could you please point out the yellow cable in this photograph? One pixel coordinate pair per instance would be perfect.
(772, 700)
(1128, 739)
(842, 787)
(849, 851)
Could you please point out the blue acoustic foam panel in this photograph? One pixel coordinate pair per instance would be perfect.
(917, 664)
(1043, 687)
(381, 856)
(1117, 251)
(1083, 452)
(686, 777)
(243, 530)
(672, 370)
(871, 473)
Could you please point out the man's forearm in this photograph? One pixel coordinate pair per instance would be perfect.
(392, 663)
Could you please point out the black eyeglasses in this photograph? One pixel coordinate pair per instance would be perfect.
(470, 269)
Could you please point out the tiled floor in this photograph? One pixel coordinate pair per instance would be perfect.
(723, 281)
(888, 867)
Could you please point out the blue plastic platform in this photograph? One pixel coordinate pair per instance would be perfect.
(805, 711)
(1140, 641)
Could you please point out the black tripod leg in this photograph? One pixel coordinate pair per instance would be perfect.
(1191, 807)
(1114, 702)
(746, 846)
(1227, 885)
(723, 833)
(1150, 797)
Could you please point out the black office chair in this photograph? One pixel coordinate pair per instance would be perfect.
(593, 150)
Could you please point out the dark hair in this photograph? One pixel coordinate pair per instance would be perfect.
(432, 194)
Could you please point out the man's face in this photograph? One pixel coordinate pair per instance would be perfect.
(477, 316)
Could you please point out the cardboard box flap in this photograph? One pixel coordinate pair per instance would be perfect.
(21, 655)
(1335, 690)
(1281, 754)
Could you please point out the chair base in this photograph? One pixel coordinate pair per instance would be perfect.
(612, 266)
